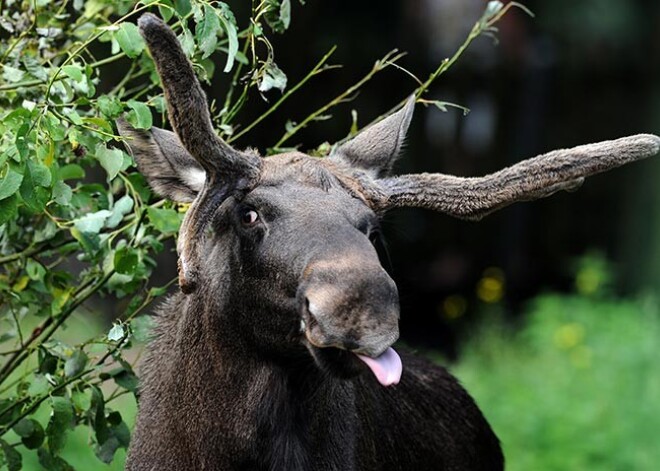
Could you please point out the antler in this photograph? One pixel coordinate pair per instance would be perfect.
(186, 104)
(474, 198)
(226, 168)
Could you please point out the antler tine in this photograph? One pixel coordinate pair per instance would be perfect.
(186, 103)
(474, 198)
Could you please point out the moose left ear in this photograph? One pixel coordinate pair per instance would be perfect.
(376, 148)
(168, 167)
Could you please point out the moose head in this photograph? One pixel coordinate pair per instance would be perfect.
(279, 250)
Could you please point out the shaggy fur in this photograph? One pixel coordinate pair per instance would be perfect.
(253, 365)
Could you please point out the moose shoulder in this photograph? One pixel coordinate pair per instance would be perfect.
(277, 354)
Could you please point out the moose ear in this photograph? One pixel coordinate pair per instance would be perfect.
(376, 148)
(168, 167)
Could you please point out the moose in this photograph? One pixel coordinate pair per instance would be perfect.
(277, 354)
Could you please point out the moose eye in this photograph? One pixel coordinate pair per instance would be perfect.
(249, 217)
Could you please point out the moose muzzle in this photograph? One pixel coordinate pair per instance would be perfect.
(352, 304)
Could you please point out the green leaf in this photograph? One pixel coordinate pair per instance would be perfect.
(110, 159)
(12, 74)
(39, 386)
(209, 68)
(187, 42)
(165, 220)
(58, 133)
(51, 462)
(82, 400)
(90, 242)
(71, 172)
(10, 457)
(278, 15)
(35, 68)
(122, 433)
(8, 209)
(59, 349)
(140, 115)
(76, 364)
(207, 31)
(40, 174)
(92, 223)
(182, 7)
(101, 123)
(122, 207)
(129, 39)
(73, 116)
(31, 433)
(127, 380)
(125, 261)
(165, 12)
(285, 13)
(118, 436)
(34, 269)
(35, 197)
(61, 420)
(272, 77)
(10, 183)
(47, 362)
(73, 71)
(24, 428)
(106, 451)
(110, 106)
(493, 8)
(116, 333)
(101, 430)
(229, 25)
(62, 193)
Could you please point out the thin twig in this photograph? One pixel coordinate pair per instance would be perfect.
(318, 68)
(479, 28)
(390, 58)
(50, 326)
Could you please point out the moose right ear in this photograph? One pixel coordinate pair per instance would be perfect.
(376, 148)
(168, 167)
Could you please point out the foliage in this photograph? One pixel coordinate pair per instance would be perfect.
(78, 221)
(577, 386)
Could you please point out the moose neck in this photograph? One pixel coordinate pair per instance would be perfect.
(212, 329)
(280, 401)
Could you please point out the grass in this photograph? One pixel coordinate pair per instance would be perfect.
(578, 387)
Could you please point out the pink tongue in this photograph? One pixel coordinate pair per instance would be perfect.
(387, 367)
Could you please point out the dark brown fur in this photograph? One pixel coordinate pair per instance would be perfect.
(253, 365)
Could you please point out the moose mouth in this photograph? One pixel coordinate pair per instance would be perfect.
(387, 366)
(340, 361)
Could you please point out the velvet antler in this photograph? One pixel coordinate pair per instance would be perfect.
(474, 198)
(186, 104)
(226, 169)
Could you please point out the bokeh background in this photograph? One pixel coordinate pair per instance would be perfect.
(548, 312)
